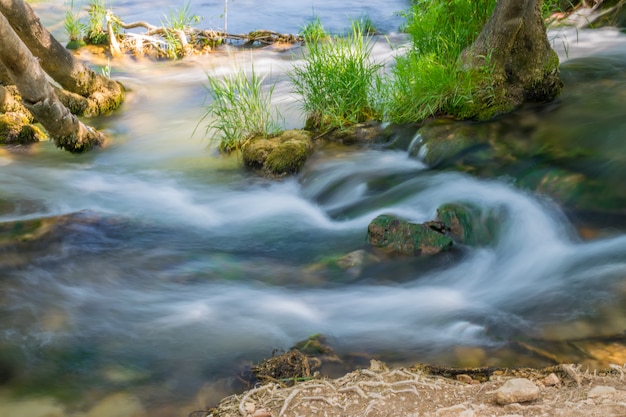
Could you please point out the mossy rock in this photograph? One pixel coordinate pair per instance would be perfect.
(15, 128)
(444, 142)
(75, 44)
(467, 224)
(360, 134)
(280, 155)
(396, 236)
(345, 267)
(255, 152)
(576, 191)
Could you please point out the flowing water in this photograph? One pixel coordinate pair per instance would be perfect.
(174, 267)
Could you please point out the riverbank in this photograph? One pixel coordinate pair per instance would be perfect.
(564, 390)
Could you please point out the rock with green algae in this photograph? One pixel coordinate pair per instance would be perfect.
(467, 224)
(280, 155)
(444, 142)
(366, 133)
(346, 266)
(396, 236)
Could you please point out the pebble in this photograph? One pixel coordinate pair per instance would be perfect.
(517, 390)
(601, 391)
(552, 380)
(118, 405)
(464, 378)
(34, 407)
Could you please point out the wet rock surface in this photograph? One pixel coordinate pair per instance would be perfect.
(396, 236)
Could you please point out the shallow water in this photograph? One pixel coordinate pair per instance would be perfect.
(181, 267)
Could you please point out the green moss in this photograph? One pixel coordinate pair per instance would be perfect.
(75, 44)
(280, 155)
(467, 224)
(256, 151)
(15, 128)
(399, 237)
(287, 158)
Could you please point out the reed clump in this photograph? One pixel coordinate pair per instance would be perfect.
(240, 109)
(336, 80)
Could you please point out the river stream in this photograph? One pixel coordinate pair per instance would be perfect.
(175, 268)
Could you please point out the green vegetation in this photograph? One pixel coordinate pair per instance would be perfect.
(175, 23)
(314, 31)
(181, 19)
(74, 28)
(337, 80)
(554, 6)
(240, 110)
(367, 25)
(96, 23)
(429, 79)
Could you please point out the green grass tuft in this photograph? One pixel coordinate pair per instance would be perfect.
(429, 80)
(314, 30)
(336, 81)
(74, 27)
(96, 33)
(240, 110)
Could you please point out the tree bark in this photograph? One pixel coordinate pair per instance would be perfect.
(515, 43)
(39, 97)
(58, 62)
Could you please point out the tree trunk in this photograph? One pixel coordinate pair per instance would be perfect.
(515, 43)
(58, 62)
(39, 97)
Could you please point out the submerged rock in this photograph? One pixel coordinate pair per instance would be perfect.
(445, 143)
(120, 405)
(396, 236)
(362, 133)
(280, 155)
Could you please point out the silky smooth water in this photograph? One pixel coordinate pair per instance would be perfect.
(181, 267)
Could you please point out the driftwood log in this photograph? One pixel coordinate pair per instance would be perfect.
(157, 40)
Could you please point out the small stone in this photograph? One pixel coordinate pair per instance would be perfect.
(262, 412)
(601, 391)
(552, 380)
(458, 410)
(464, 378)
(119, 405)
(249, 407)
(517, 390)
(377, 366)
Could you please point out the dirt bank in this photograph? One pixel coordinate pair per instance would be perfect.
(564, 390)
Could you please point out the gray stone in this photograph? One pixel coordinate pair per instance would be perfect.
(517, 390)
(601, 391)
(552, 380)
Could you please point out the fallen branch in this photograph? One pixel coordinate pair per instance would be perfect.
(162, 41)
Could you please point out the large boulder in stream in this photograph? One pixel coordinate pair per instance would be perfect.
(396, 236)
(279, 155)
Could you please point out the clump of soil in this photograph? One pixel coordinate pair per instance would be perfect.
(285, 369)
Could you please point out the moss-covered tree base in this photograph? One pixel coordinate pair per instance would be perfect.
(16, 129)
(525, 68)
